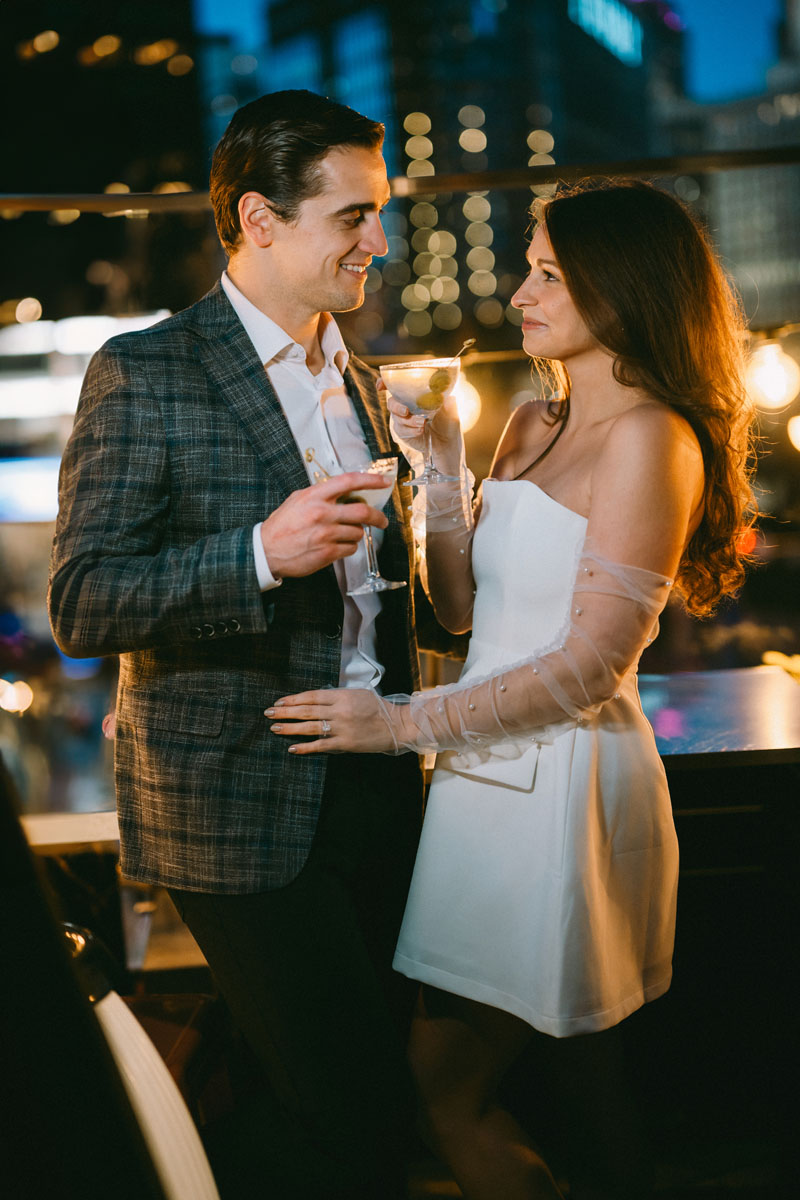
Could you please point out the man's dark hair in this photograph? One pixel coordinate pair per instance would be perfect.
(275, 146)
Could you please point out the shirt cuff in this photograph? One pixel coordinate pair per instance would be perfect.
(266, 580)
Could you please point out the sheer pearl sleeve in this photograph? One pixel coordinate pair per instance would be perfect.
(613, 614)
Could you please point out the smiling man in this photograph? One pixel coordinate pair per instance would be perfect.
(194, 542)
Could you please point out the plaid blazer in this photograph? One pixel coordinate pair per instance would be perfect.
(179, 447)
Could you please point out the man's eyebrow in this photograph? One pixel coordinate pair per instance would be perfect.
(356, 206)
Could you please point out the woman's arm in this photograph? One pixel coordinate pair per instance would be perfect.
(645, 489)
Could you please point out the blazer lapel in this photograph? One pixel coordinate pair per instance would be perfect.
(243, 384)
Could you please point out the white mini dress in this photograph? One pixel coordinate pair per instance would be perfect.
(546, 882)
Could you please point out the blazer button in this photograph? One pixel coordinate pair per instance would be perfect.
(234, 626)
(196, 632)
(220, 627)
(333, 631)
(208, 630)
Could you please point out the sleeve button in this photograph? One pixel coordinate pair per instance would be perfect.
(208, 630)
(220, 627)
(196, 632)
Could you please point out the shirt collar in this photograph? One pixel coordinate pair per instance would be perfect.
(270, 340)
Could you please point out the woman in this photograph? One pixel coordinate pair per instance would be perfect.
(544, 890)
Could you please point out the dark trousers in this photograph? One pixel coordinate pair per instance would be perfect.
(306, 973)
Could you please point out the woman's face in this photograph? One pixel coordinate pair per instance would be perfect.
(552, 327)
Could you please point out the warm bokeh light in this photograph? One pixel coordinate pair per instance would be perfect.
(472, 140)
(47, 40)
(418, 167)
(64, 216)
(417, 122)
(112, 188)
(540, 141)
(419, 146)
(181, 64)
(176, 185)
(773, 377)
(471, 115)
(469, 403)
(154, 52)
(793, 430)
(108, 44)
(15, 697)
(29, 309)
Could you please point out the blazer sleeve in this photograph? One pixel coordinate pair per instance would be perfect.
(120, 579)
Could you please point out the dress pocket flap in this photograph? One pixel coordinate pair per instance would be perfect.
(518, 772)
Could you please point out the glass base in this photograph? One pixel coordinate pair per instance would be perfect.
(430, 475)
(376, 583)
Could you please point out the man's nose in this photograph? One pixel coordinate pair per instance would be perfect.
(374, 239)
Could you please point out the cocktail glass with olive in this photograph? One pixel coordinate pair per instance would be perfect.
(422, 387)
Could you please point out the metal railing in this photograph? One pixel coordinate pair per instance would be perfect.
(402, 186)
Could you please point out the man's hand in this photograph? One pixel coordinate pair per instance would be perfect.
(315, 526)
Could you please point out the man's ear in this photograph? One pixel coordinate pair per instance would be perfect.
(256, 218)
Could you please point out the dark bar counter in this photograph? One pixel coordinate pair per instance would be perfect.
(718, 1046)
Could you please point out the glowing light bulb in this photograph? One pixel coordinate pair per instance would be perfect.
(469, 403)
(773, 378)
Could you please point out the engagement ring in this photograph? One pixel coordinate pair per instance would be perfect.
(326, 729)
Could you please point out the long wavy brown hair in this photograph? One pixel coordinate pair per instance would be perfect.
(647, 282)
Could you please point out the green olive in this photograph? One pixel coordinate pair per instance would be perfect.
(439, 380)
(429, 400)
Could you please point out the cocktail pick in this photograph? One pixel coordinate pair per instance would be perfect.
(440, 378)
(469, 342)
(311, 457)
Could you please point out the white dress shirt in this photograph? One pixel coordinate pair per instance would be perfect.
(321, 416)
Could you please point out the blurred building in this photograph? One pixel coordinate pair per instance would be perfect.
(98, 98)
(753, 213)
(465, 87)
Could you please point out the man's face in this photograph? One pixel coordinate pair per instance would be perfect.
(321, 258)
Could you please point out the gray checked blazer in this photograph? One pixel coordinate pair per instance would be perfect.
(179, 447)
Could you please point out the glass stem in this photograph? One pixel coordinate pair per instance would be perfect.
(372, 562)
(426, 434)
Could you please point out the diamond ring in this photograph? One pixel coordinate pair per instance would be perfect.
(326, 729)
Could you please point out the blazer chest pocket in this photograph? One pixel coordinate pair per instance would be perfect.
(175, 712)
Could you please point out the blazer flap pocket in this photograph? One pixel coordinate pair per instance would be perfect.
(178, 712)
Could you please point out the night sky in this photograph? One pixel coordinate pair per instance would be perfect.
(730, 43)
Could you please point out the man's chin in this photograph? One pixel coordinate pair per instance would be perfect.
(348, 303)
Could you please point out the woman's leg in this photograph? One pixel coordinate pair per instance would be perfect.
(459, 1052)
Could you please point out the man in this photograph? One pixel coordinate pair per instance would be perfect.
(192, 542)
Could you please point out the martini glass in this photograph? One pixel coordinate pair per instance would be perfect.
(423, 387)
(377, 498)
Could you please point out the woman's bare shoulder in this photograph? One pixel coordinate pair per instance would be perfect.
(652, 436)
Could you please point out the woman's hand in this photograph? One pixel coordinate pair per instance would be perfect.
(338, 721)
(444, 426)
